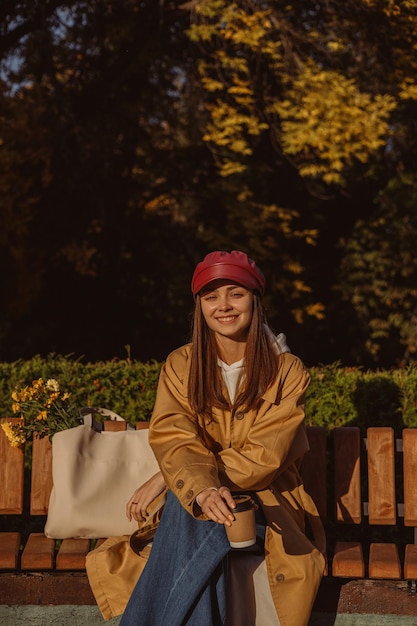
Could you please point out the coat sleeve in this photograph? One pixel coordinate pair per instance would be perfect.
(187, 464)
(275, 438)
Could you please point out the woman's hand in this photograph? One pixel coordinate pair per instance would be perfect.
(143, 496)
(216, 504)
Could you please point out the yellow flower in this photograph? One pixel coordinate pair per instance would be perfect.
(53, 397)
(24, 394)
(42, 410)
(15, 435)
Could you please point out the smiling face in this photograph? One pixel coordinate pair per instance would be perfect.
(227, 310)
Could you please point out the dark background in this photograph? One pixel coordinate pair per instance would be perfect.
(109, 194)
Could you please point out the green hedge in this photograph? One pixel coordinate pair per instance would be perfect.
(340, 396)
(124, 386)
(337, 396)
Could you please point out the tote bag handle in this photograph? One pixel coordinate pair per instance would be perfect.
(87, 414)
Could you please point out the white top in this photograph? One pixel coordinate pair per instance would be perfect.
(232, 374)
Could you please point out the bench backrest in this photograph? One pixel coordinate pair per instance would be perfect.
(349, 477)
(373, 477)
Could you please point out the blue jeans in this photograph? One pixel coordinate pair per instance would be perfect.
(183, 582)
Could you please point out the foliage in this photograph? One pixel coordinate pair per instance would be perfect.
(294, 74)
(379, 271)
(325, 145)
(337, 395)
(126, 387)
(340, 396)
(143, 136)
(329, 397)
(315, 85)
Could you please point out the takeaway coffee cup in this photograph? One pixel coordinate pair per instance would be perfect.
(242, 532)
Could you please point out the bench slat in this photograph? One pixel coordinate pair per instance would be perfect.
(41, 476)
(114, 426)
(384, 561)
(117, 425)
(72, 553)
(11, 474)
(410, 562)
(381, 475)
(313, 468)
(410, 476)
(347, 483)
(348, 561)
(38, 553)
(9, 550)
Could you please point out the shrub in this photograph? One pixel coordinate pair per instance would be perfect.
(337, 396)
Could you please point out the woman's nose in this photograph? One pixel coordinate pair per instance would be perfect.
(224, 304)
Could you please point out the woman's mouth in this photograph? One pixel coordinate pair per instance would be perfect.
(226, 319)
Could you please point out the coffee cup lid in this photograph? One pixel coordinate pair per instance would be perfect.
(243, 503)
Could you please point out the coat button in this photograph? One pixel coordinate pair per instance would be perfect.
(179, 484)
(240, 415)
(280, 578)
(189, 494)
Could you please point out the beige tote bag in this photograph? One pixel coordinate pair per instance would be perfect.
(94, 475)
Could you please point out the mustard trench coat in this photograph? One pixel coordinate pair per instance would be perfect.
(258, 451)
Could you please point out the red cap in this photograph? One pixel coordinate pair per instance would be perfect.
(235, 266)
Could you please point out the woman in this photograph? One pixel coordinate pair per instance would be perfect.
(228, 418)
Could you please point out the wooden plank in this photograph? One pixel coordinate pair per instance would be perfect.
(381, 475)
(114, 426)
(9, 550)
(347, 485)
(384, 561)
(38, 553)
(348, 561)
(410, 476)
(410, 562)
(41, 476)
(313, 468)
(11, 474)
(72, 553)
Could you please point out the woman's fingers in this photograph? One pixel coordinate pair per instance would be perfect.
(133, 508)
(136, 506)
(217, 504)
(143, 496)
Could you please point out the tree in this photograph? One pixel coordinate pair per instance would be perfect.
(135, 140)
(330, 87)
(102, 81)
(379, 274)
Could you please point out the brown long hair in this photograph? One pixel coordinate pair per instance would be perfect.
(205, 382)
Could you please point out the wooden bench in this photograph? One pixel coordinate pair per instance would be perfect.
(364, 485)
(365, 488)
(35, 569)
